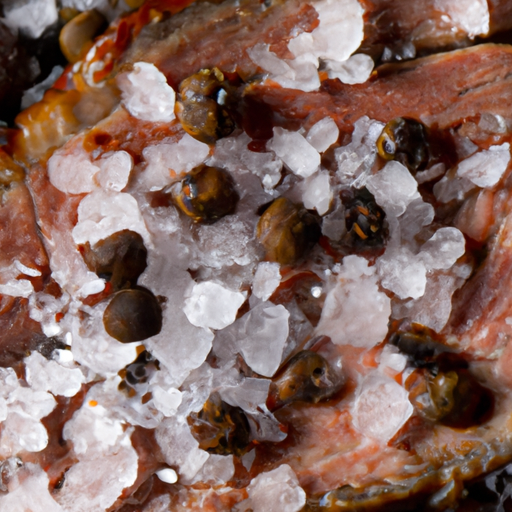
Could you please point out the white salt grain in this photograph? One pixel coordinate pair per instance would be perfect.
(146, 93)
(263, 332)
(166, 401)
(393, 187)
(317, 192)
(115, 170)
(472, 16)
(403, 273)
(356, 70)
(445, 247)
(323, 134)
(17, 288)
(295, 151)
(103, 213)
(70, 170)
(486, 167)
(44, 375)
(381, 408)
(266, 279)
(355, 311)
(166, 160)
(276, 491)
(210, 305)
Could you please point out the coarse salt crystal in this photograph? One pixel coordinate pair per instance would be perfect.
(211, 305)
(381, 408)
(355, 311)
(393, 187)
(486, 167)
(276, 491)
(295, 151)
(146, 93)
(266, 279)
(317, 192)
(355, 70)
(323, 134)
(115, 170)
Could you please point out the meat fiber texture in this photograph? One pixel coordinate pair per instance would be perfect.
(73, 438)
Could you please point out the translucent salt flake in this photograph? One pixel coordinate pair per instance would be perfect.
(356, 159)
(36, 404)
(445, 247)
(276, 491)
(210, 305)
(103, 213)
(179, 448)
(166, 160)
(317, 192)
(263, 332)
(146, 93)
(392, 359)
(166, 401)
(355, 311)
(338, 35)
(70, 170)
(115, 170)
(434, 307)
(394, 188)
(93, 430)
(94, 484)
(295, 151)
(248, 395)
(17, 288)
(472, 16)
(44, 375)
(355, 70)
(486, 168)
(31, 17)
(324, 134)
(266, 279)
(300, 73)
(22, 432)
(381, 408)
(217, 470)
(403, 273)
(29, 492)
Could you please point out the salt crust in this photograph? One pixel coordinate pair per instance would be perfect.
(146, 94)
(381, 408)
(265, 334)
